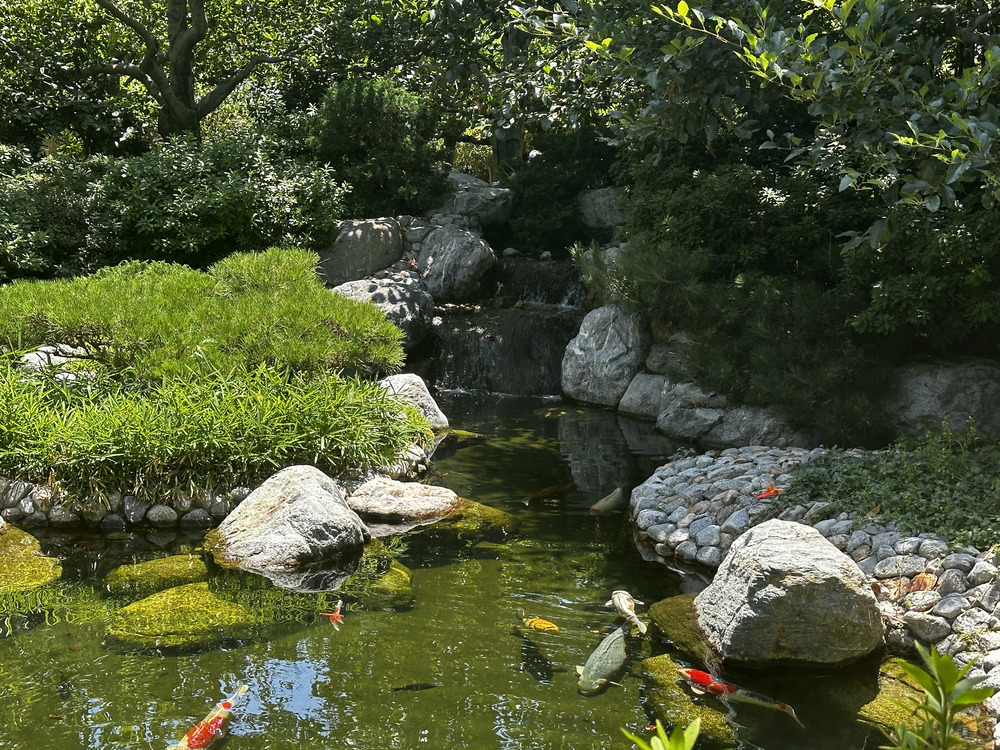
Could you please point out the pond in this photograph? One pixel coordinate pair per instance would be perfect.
(313, 686)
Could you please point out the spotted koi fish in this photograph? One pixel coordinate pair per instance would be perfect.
(209, 729)
(703, 682)
(625, 604)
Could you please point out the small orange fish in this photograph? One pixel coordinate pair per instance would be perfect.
(771, 491)
(335, 617)
(537, 623)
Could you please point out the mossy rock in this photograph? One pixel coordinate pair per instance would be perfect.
(677, 621)
(472, 522)
(673, 706)
(891, 706)
(22, 565)
(145, 578)
(392, 590)
(183, 618)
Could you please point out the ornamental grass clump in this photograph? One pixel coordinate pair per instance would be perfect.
(143, 321)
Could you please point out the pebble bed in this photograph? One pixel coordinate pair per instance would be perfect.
(688, 513)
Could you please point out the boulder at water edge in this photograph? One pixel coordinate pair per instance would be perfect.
(785, 595)
(411, 387)
(402, 505)
(452, 261)
(297, 518)
(605, 355)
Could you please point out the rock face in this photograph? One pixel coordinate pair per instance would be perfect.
(295, 519)
(490, 204)
(947, 391)
(362, 247)
(601, 361)
(785, 595)
(601, 208)
(403, 299)
(452, 261)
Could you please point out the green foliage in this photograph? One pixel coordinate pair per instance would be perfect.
(679, 739)
(193, 432)
(63, 216)
(742, 255)
(942, 480)
(147, 321)
(546, 185)
(946, 692)
(378, 136)
(195, 205)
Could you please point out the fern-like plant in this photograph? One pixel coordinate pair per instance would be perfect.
(682, 738)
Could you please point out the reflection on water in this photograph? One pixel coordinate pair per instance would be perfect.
(312, 686)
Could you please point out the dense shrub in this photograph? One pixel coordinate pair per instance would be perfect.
(546, 186)
(745, 257)
(146, 321)
(378, 137)
(63, 215)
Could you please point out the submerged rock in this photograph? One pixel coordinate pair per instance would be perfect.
(182, 618)
(472, 522)
(297, 519)
(785, 595)
(22, 564)
(148, 577)
(673, 705)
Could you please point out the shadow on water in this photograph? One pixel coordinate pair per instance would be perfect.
(369, 684)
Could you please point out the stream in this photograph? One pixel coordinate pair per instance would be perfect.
(313, 686)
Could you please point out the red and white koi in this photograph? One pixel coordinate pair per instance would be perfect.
(703, 682)
(209, 729)
(625, 604)
(336, 619)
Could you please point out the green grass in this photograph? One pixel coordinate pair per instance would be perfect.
(196, 381)
(942, 481)
(145, 321)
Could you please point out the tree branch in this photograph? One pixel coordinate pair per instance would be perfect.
(133, 23)
(210, 102)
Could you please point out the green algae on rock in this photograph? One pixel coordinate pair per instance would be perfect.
(183, 618)
(672, 705)
(392, 590)
(145, 578)
(472, 522)
(677, 621)
(892, 706)
(22, 565)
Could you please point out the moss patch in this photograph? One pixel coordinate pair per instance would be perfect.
(183, 618)
(673, 706)
(22, 564)
(677, 621)
(148, 577)
(473, 522)
(392, 590)
(892, 706)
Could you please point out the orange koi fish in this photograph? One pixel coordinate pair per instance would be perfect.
(771, 491)
(335, 617)
(537, 623)
(209, 729)
(703, 682)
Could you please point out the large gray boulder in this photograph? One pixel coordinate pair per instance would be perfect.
(785, 595)
(452, 262)
(934, 392)
(297, 518)
(606, 354)
(411, 387)
(600, 208)
(362, 247)
(488, 203)
(404, 300)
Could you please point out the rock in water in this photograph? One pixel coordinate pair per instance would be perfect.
(785, 595)
(297, 518)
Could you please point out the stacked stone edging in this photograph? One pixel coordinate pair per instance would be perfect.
(690, 511)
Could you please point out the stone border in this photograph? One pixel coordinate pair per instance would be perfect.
(690, 511)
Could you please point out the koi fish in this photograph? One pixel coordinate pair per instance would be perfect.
(418, 686)
(771, 491)
(607, 660)
(209, 729)
(537, 623)
(625, 604)
(335, 617)
(703, 682)
(608, 503)
(556, 490)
